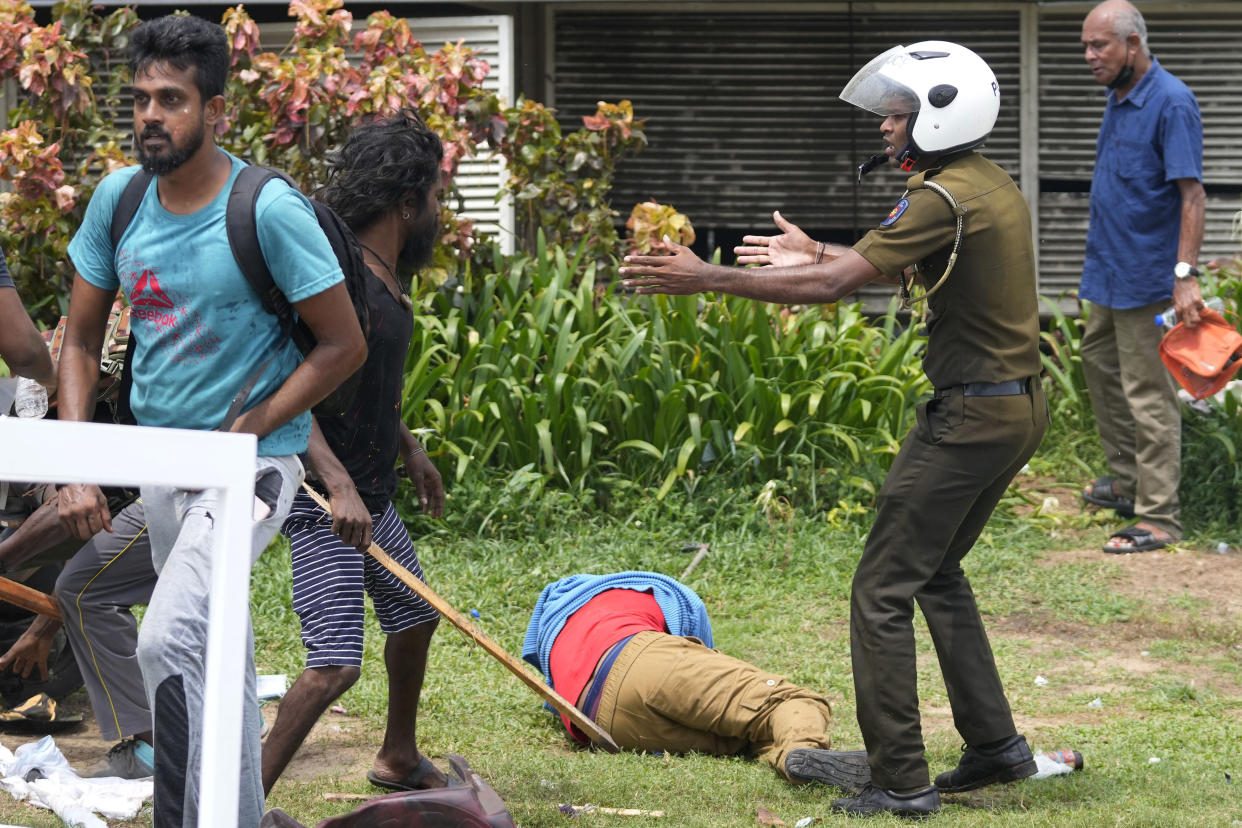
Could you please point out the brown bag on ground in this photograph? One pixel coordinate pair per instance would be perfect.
(472, 803)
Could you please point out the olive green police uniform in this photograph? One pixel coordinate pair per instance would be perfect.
(984, 422)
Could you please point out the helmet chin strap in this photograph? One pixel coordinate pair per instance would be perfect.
(907, 158)
(908, 155)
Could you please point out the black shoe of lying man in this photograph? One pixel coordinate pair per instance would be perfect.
(845, 769)
(1009, 761)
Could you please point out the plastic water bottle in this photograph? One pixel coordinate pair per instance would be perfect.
(1056, 762)
(1169, 318)
(30, 400)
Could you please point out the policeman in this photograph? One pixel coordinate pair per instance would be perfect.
(963, 229)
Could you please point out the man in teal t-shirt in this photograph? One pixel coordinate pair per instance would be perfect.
(201, 334)
(204, 336)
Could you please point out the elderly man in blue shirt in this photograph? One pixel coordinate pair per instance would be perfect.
(1147, 206)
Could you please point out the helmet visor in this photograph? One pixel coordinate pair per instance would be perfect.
(876, 87)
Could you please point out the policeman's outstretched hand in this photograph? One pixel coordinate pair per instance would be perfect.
(427, 483)
(83, 510)
(678, 271)
(791, 247)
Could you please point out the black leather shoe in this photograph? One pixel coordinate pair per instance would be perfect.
(846, 769)
(875, 800)
(1008, 763)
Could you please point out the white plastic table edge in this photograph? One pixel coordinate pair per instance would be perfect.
(39, 450)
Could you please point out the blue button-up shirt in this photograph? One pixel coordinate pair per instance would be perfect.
(1146, 142)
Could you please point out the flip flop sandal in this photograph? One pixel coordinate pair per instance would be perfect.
(1101, 494)
(1140, 540)
(411, 780)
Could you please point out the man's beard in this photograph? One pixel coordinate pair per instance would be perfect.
(173, 156)
(416, 253)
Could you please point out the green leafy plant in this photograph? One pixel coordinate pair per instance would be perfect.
(58, 141)
(287, 108)
(560, 182)
(1211, 482)
(1224, 279)
(530, 364)
(1061, 356)
(651, 222)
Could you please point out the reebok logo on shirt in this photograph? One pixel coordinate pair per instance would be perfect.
(147, 292)
(159, 316)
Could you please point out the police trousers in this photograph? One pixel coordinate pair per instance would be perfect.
(952, 470)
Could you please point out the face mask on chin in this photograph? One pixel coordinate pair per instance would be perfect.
(1123, 76)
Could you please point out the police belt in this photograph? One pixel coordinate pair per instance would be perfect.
(1008, 388)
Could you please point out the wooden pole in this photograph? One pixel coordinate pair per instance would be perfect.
(29, 599)
(535, 682)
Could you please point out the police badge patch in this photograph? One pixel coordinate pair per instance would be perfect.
(895, 213)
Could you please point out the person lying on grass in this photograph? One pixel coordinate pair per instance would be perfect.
(634, 650)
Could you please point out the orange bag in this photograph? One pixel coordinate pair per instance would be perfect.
(1203, 358)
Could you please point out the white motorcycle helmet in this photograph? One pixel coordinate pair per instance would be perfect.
(949, 91)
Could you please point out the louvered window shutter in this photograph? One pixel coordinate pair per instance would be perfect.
(744, 117)
(743, 111)
(480, 178)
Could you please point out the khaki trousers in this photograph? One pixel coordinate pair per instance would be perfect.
(666, 693)
(1135, 402)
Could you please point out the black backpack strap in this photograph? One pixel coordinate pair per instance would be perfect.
(127, 205)
(243, 232)
(348, 253)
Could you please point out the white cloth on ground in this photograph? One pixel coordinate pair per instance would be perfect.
(74, 799)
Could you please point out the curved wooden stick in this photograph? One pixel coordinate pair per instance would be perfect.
(597, 734)
(28, 598)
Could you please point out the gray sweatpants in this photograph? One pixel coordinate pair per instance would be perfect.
(172, 642)
(105, 578)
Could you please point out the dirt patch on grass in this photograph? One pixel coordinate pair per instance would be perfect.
(1185, 589)
(338, 746)
(1198, 582)
(81, 745)
(1185, 628)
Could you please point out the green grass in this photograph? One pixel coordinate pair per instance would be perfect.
(776, 584)
(778, 596)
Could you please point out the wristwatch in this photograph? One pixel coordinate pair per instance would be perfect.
(1184, 270)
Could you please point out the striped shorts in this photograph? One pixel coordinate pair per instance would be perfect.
(329, 579)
